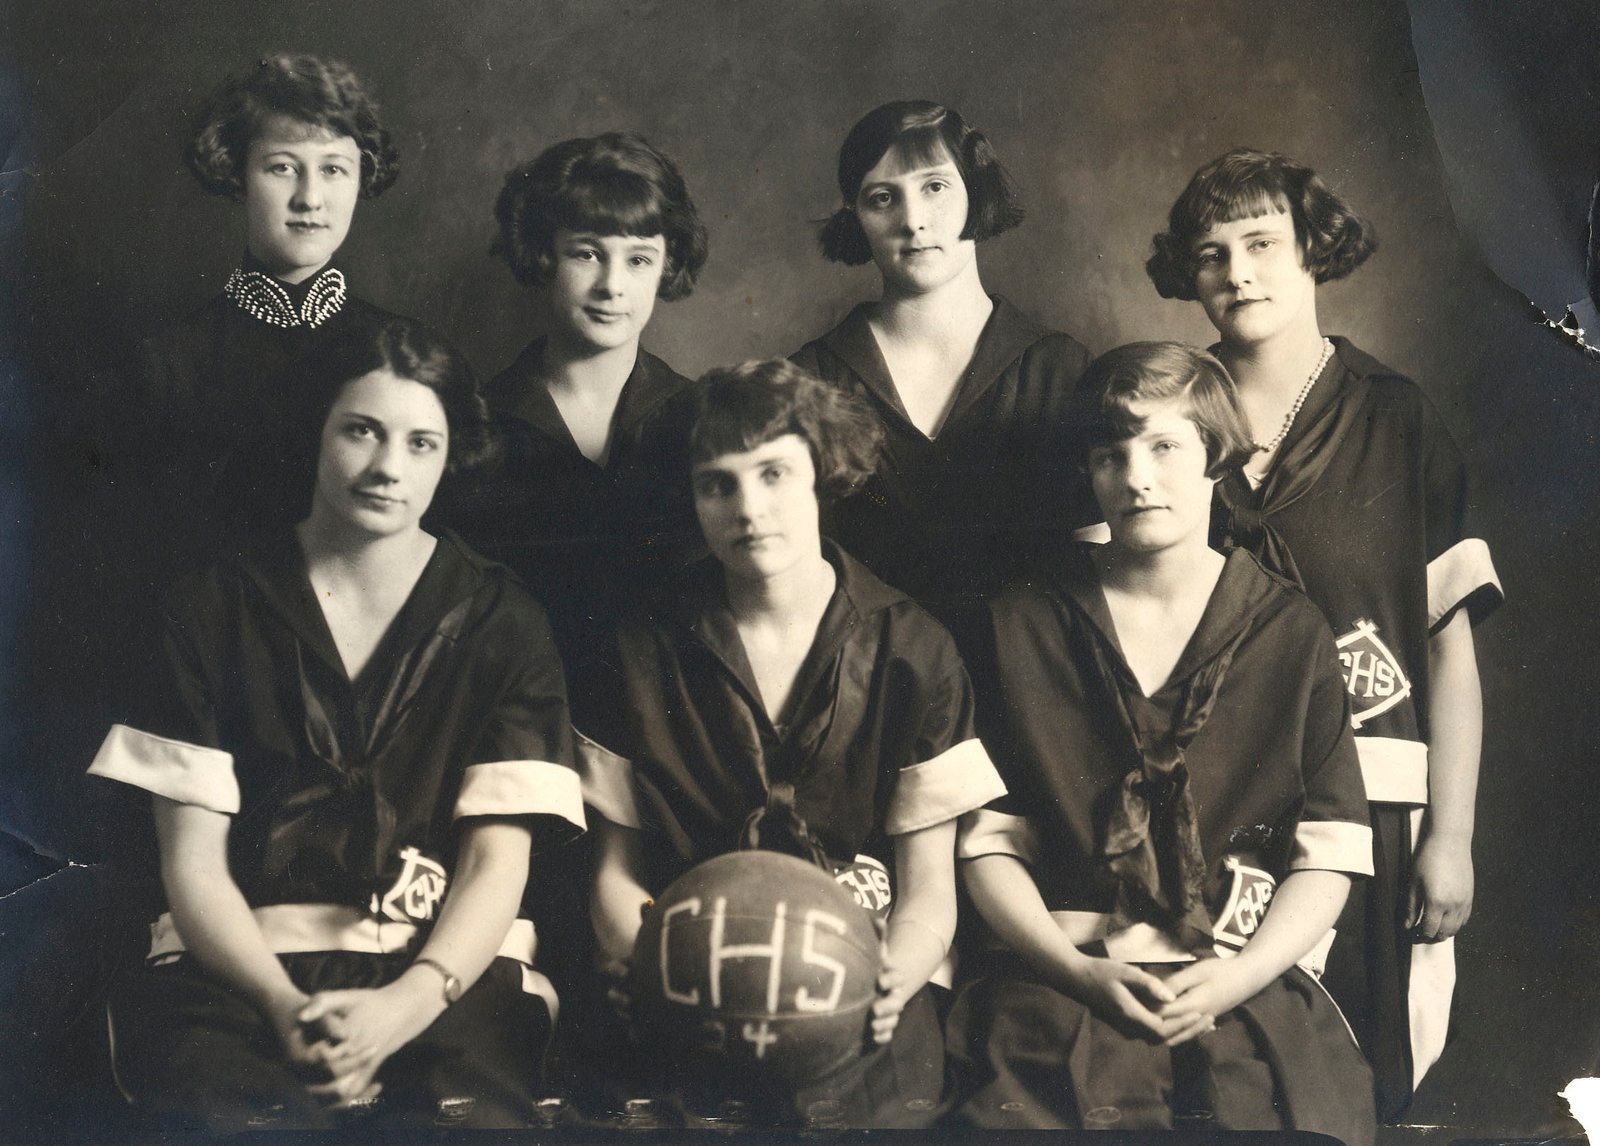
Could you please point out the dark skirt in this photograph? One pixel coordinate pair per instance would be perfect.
(1369, 965)
(898, 1086)
(195, 1056)
(1026, 1056)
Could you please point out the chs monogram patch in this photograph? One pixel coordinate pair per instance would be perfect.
(1248, 898)
(417, 891)
(1372, 674)
(867, 880)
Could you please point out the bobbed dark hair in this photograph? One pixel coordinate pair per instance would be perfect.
(738, 408)
(406, 349)
(322, 94)
(920, 132)
(1333, 239)
(1159, 372)
(612, 184)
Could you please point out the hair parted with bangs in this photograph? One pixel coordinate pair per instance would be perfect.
(408, 350)
(921, 133)
(741, 407)
(1333, 239)
(612, 184)
(1160, 372)
(324, 95)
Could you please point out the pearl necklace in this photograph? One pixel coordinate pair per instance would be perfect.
(1300, 400)
(262, 297)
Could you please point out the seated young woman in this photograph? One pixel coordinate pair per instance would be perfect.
(580, 503)
(1185, 808)
(971, 393)
(355, 733)
(784, 677)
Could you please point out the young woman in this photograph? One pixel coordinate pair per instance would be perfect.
(1355, 491)
(970, 393)
(580, 504)
(295, 141)
(785, 677)
(1185, 807)
(354, 733)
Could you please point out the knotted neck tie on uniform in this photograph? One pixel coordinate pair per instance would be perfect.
(1152, 843)
(1244, 516)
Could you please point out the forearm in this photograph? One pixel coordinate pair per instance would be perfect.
(211, 914)
(618, 895)
(1305, 905)
(923, 922)
(1009, 901)
(485, 892)
(1455, 722)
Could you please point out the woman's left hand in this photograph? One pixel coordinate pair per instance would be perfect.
(1203, 990)
(364, 1027)
(894, 991)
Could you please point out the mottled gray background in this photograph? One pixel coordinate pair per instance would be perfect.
(1100, 109)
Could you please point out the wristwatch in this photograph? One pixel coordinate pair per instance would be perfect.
(452, 985)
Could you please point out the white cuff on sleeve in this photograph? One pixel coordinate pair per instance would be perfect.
(1332, 845)
(986, 832)
(521, 788)
(607, 782)
(1463, 571)
(957, 780)
(1393, 770)
(175, 769)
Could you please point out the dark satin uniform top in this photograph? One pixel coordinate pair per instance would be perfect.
(880, 740)
(342, 791)
(956, 517)
(583, 536)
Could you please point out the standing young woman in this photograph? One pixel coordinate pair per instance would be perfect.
(1356, 491)
(971, 394)
(783, 678)
(580, 504)
(296, 141)
(354, 734)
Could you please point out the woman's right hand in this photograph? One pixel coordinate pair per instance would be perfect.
(334, 1069)
(1121, 994)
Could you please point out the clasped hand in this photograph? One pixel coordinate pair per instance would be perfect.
(1169, 1011)
(339, 1039)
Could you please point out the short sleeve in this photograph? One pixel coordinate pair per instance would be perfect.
(169, 744)
(1461, 572)
(523, 763)
(951, 773)
(1335, 829)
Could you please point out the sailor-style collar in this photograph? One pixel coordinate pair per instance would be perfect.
(1005, 337)
(276, 303)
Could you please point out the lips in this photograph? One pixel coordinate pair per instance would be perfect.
(605, 315)
(1241, 303)
(374, 497)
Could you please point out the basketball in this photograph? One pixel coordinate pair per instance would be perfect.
(758, 966)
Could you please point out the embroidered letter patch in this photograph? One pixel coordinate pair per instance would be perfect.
(1372, 675)
(417, 891)
(1247, 903)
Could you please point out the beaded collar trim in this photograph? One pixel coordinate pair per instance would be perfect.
(262, 297)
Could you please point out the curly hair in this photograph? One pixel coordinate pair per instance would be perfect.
(1159, 372)
(738, 408)
(406, 349)
(612, 184)
(920, 133)
(322, 94)
(1333, 239)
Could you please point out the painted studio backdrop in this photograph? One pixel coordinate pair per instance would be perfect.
(1101, 110)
